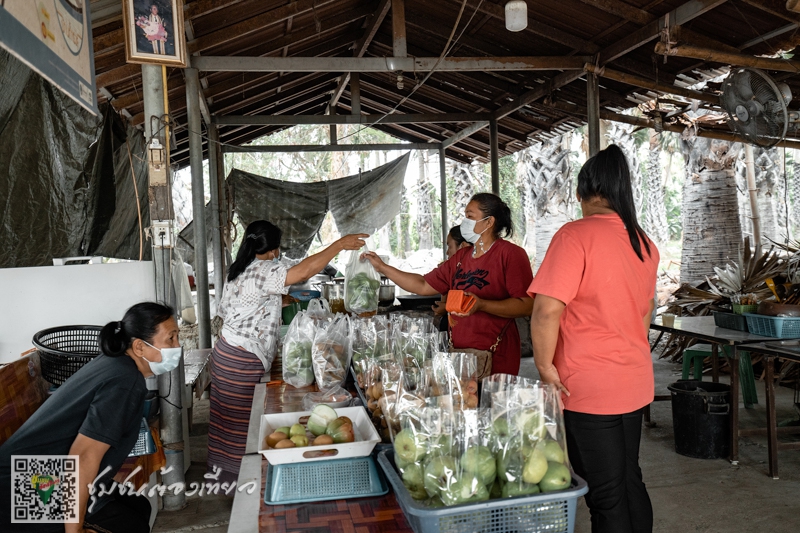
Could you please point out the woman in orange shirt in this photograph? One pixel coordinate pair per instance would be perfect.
(591, 315)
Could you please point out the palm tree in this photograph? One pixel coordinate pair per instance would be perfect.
(796, 192)
(545, 172)
(712, 231)
(623, 136)
(768, 180)
(463, 183)
(655, 209)
(424, 205)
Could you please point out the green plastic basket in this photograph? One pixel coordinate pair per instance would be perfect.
(778, 327)
(317, 481)
(740, 309)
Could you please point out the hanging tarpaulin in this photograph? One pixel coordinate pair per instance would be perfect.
(298, 209)
(54, 39)
(366, 203)
(360, 203)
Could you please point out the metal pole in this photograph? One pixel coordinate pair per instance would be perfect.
(355, 94)
(198, 206)
(161, 211)
(495, 156)
(593, 112)
(216, 240)
(160, 193)
(443, 197)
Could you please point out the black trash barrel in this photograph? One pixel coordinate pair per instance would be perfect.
(701, 414)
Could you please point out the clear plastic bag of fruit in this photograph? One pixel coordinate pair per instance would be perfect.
(319, 310)
(453, 375)
(361, 285)
(526, 435)
(331, 352)
(501, 383)
(298, 368)
(362, 336)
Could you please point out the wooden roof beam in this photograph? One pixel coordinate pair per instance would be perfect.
(644, 83)
(367, 120)
(359, 49)
(253, 24)
(681, 15)
(386, 64)
(776, 8)
(740, 60)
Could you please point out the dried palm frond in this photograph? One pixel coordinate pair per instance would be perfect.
(747, 276)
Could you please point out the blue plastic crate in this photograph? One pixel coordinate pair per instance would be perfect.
(778, 327)
(552, 512)
(316, 481)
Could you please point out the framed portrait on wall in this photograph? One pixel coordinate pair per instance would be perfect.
(154, 32)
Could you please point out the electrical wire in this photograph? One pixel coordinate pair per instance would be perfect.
(138, 205)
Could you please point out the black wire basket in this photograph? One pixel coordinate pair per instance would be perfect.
(64, 350)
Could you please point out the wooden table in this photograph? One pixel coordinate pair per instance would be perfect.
(250, 514)
(703, 328)
(770, 353)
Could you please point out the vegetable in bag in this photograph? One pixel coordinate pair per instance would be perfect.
(361, 285)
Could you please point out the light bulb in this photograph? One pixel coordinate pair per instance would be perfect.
(516, 15)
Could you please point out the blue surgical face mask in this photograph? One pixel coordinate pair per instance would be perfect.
(468, 230)
(170, 359)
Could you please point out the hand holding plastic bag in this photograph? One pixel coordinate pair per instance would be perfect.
(361, 285)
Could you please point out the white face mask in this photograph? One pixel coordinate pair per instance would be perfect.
(468, 230)
(170, 359)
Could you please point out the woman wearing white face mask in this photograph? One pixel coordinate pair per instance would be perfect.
(96, 415)
(251, 311)
(494, 271)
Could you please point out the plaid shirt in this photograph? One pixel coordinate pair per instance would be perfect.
(251, 309)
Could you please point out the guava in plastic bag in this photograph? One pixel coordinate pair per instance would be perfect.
(361, 285)
(298, 369)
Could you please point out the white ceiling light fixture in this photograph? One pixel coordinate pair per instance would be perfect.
(516, 15)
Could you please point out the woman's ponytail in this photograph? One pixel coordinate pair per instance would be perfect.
(113, 339)
(140, 322)
(259, 238)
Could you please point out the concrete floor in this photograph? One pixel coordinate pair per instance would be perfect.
(709, 496)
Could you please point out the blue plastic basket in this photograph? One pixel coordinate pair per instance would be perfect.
(778, 327)
(552, 512)
(316, 481)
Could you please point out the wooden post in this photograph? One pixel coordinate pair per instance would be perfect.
(355, 94)
(494, 156)
(399, 28)
(593, 112)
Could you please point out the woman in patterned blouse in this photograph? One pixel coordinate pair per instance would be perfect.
(251, 311)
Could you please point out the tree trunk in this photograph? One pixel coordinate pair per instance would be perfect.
(622, 135)
(463, 183)
(547, 176)
(712, 231)
(656, 212)
(424, 207)
(795, 211)
(528, 201)
(767, 167)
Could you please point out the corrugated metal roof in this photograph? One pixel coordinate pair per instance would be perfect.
(329, 28)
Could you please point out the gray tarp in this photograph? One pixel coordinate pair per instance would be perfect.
(360, 204)
(65, 178)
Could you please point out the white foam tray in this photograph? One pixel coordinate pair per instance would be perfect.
(364, 431)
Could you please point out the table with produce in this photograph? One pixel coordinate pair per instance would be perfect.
(369, 425)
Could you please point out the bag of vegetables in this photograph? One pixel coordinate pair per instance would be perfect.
(331, 352)
(298, 369)
(361, 285)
